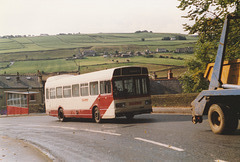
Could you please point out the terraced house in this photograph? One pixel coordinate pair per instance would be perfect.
(24, 88)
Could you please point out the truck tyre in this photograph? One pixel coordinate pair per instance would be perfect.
(221, 119)
(232, 123)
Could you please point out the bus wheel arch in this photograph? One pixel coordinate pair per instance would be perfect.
(96, 114)
(61, 116)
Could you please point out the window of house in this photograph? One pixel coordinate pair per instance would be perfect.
(32, 97)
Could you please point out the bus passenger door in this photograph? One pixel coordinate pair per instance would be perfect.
(104, 101)
(105, 98)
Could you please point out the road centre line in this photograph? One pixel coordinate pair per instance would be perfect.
(95, 131)
(160, 144)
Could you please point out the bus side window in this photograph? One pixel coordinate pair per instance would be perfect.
(75, 90)
(105, 87)
(52, 93)
(47, 93)
(93, 88)
(84, 89)
(67, 91)
(59, 92)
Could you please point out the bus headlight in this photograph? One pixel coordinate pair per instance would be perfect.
(120, 105)
(148, 102)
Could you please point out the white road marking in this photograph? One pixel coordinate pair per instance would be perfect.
(220, 160)
(72, 128)
(88, 130)
(160, 144)
(103, 132)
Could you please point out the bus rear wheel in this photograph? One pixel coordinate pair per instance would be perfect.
(96, 115)
(61, 116)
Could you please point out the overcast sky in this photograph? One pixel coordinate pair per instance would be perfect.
(25, 17)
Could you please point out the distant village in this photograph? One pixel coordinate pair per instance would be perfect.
(146, 53)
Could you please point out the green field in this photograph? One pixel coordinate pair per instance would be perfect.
(48, 53)
(158, 65)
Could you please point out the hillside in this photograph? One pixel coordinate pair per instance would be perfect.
(42, 43)
(48, 53)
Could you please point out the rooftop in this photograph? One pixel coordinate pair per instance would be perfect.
(19, 81)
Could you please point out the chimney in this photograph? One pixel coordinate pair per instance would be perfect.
(154, 75)
(39, 74)
(170, 74)
(18, 78)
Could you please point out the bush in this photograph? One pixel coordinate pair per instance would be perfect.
(166, 38)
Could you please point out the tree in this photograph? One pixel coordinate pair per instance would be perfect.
(209, 18)
(166, 38)
(179, 37)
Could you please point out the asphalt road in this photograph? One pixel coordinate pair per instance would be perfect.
(152, 137)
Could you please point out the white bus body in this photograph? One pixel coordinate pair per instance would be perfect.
(105, 94)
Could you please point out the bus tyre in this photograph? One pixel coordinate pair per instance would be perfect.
(129, 116)
(96, 115)
(221, 119)
(61, 116)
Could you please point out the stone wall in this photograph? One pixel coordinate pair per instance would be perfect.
(165, 86)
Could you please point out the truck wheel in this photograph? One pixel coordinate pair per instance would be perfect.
(221, 119)
(96, 115)
(232, 122)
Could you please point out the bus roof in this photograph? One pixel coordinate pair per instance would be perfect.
(92, 76)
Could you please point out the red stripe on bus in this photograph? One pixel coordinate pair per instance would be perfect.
(102, 102)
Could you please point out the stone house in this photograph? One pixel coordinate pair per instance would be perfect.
(89, 53)
(161, 50)
(185, 50)
(22, 83)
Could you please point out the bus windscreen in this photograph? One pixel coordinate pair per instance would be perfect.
(130, 86)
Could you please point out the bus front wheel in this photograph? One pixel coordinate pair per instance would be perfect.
(96, 115)
(129, 116)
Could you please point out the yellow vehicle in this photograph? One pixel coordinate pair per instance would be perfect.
(221, 101)
(230, 72)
